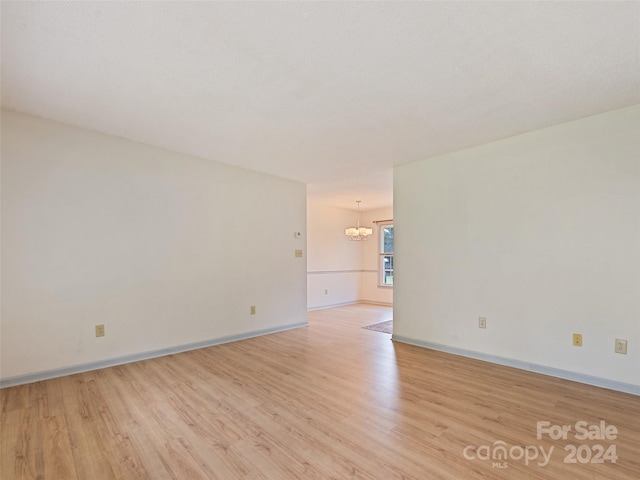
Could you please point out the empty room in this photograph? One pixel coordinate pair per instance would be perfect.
(320, 240)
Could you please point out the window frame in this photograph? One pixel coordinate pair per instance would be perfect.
(382, 254)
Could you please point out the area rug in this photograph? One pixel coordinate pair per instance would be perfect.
(384, 327)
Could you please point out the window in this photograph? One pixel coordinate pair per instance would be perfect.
(386, 254)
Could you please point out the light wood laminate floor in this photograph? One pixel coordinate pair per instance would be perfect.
(331, 400)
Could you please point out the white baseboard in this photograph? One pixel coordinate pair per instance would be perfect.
(111, 362)
(333, 305)
(375, 302)
(355, 302)
(530, 367)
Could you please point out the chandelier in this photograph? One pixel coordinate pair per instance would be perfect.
(358, 233)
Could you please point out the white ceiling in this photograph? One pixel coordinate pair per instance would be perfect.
(332, 94)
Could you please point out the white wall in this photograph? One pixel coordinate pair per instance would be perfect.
(540, 233)
(163, 249)
(370, 289)
(346, 270)
(333, 262)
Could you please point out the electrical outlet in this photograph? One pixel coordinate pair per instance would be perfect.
(482, 322)
(298, 253)
(99, 330)
(253, 309)
(621, 346)
(577, 339)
